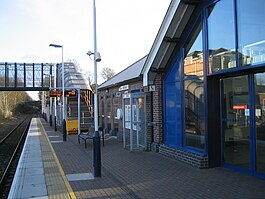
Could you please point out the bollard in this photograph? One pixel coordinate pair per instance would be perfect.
(96, 155)
(55, 126)
(50, 120)
(64, 130)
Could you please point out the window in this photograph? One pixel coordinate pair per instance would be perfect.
(251, 32)
(194, 91)
(194, 113)
(193, 66)
(221, 36)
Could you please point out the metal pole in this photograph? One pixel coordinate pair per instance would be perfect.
(50, 111)
(64, 122)
(96, 138)
(55, 99)
(79, 130)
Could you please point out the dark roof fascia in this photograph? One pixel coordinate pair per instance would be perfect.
(139, 78)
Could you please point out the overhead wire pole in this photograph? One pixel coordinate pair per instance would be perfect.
(96, 138)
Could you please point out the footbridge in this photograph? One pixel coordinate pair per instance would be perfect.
(47, 78)
(26, 76)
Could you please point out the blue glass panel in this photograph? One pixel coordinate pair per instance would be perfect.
(221, 36)
(172, 108)
(251, 32)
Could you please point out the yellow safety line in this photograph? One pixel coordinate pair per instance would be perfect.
(67, 184)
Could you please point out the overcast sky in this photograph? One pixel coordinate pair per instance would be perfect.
(126, 30)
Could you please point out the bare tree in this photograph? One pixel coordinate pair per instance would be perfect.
(89, 76)
(107, 73)
(9, 100)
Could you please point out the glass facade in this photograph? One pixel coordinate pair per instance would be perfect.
(251, 32)
(226, 47)
(194, 113)
(259, 83)
(236, 121)
(221, 36)
(172, 107)
(193, 90)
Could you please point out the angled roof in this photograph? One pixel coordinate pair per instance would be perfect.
(168, 36)
(131, 72)
(73, 78)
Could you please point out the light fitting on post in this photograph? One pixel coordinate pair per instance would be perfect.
(97, 56)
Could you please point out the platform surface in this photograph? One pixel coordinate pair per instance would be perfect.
(53, 168)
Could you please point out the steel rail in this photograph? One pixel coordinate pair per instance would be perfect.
(12, 131)
(3, 177)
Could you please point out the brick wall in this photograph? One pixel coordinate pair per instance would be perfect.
(196, 160)
(157, 113)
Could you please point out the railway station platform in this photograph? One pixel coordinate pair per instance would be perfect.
(51, 168)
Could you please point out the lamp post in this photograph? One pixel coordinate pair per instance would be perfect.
(50, 111)
(64, 122)
(96, 137)
(55, 99)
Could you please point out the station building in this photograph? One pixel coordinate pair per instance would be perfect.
(124, 107)
(203, 84)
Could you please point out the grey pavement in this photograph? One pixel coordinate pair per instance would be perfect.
(144, 174)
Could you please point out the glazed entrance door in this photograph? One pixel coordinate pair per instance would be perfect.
(259, 87)
(243, 123)
(138, 123)
(235, 122)
(134, 128)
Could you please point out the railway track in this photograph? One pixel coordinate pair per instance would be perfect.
(11, 145)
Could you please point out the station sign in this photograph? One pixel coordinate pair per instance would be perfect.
(124, 87)
(69, 93)
(58, 93)
(239, 107)
(55, 93)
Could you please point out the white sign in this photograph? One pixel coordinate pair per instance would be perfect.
(123, 88)
(152, 88)
(246, 112)
(258, 112)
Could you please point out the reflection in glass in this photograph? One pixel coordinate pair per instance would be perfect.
(193, 62)
(194, 113)
(194, 93)
(221, 36)
(251, 32)
(260, 121)
(235, 121)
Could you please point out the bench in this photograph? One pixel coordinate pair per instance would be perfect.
(86, 136)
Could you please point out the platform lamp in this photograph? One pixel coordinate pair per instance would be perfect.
(64, 122)
(96, 137)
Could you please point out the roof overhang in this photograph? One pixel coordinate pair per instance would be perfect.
(168, 37)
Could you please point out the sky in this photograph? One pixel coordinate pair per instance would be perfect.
(126, 30)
